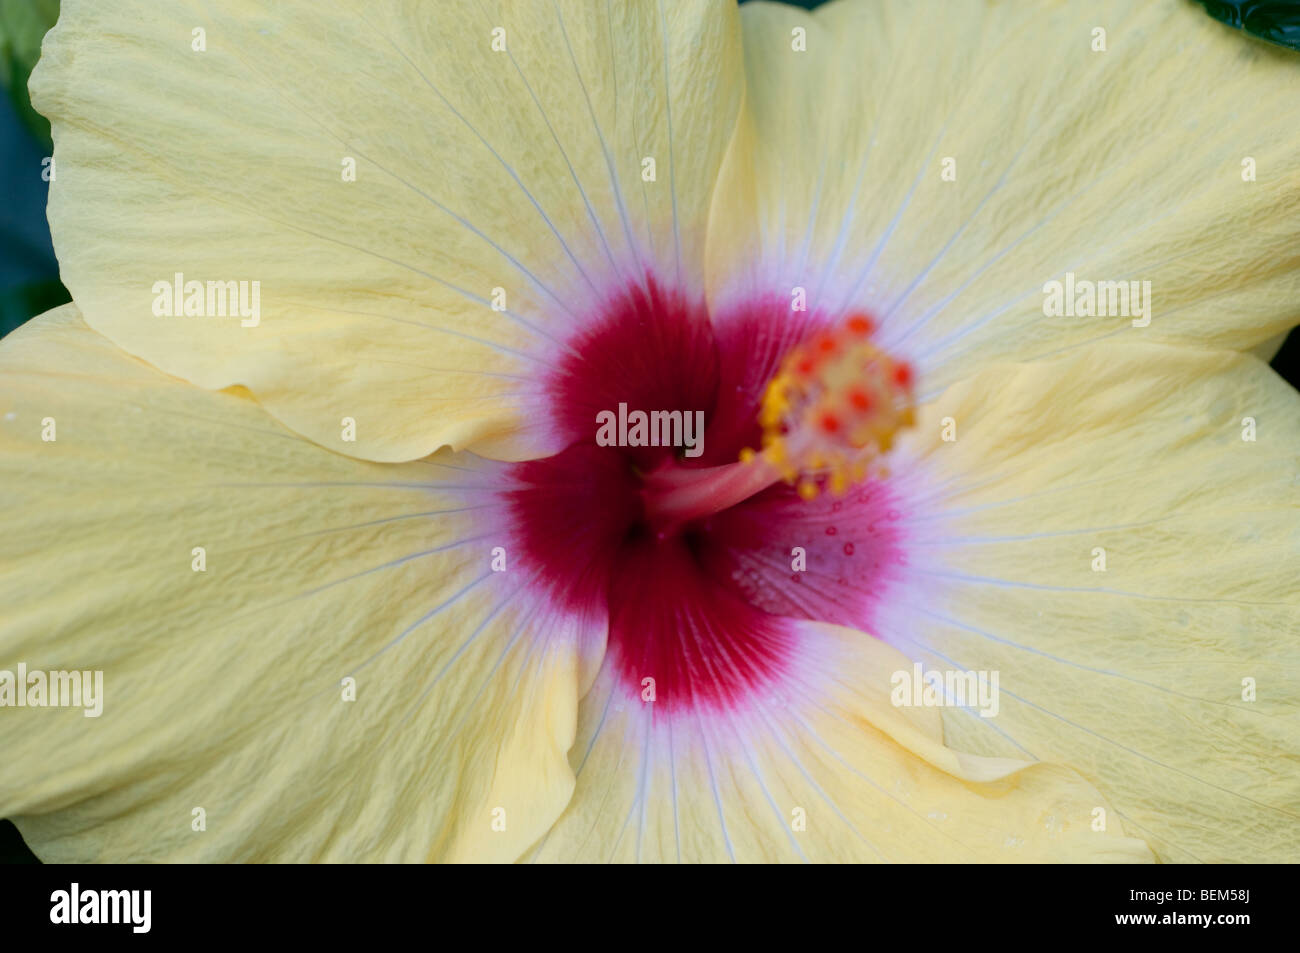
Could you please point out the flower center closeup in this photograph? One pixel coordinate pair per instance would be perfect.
(701, 555)
(831, 411)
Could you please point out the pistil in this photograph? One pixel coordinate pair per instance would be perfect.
(828, 416)
(675, 495)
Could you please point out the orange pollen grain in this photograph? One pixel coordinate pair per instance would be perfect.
(834, 408)
(859, 325)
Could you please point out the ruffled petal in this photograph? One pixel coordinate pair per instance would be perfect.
(227, 578)
(940, 165)
(820, 767)
(1117, 534)
(430, 198)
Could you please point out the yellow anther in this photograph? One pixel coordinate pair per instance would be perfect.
(835, 405)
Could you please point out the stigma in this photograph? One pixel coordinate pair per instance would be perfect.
(833, 410)
(828, 417)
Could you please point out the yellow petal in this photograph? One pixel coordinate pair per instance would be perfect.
(225, 577)
(825, 768)
(940, 164)
(512, 178)
(1117, 533)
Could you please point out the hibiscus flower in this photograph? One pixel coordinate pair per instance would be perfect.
(310, 469)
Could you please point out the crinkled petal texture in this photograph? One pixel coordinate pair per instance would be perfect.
(940, 164)
(430, 196)
(1117, 534)
(227, 577)
(822, 767)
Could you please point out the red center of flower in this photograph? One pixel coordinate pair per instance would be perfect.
(701, 561)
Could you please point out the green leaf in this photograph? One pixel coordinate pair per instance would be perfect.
(23, 24)
(25, 301)
(1277, 21)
